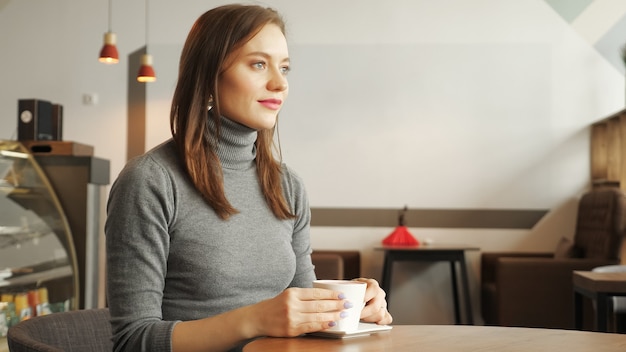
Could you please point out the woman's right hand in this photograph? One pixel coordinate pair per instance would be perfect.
(297, 311)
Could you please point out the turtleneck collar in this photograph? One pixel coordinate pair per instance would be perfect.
(235, 149)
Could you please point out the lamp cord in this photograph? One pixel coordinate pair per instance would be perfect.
(110, 14)
(146, 15)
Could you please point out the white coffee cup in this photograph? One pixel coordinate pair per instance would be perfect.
(355, 294)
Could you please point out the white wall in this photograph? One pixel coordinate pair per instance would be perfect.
(432, 104)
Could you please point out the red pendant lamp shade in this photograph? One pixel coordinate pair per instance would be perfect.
(401, 235)
(146, 72)
(109, 54)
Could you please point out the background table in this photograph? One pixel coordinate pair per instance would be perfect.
(454, 254)
(600, 287)
(458, 338)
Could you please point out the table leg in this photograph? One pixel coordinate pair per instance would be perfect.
(455, 293)
(601, 314)
(611, 314)
(578, 310)
(386, 280)
(466, 292)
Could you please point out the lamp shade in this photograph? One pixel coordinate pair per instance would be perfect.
(146, 72)
(401, 236)
(109, 54)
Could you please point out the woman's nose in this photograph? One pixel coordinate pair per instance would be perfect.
(278, 81)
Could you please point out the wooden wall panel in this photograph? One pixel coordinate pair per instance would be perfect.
(622, 177)
(599, 152)
(614, 157)
(608, 150)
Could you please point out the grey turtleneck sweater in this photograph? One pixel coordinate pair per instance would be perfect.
(170, 258)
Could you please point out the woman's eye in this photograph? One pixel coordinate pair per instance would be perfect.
(259, 65)
(285, 69)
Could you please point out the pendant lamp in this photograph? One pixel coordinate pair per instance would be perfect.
(108, 53)
(146, 71)
(401, 235)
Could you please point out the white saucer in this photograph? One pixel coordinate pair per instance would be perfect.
(363, 330)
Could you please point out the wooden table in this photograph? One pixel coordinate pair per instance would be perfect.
(454, 254)
(600, 287)
(458, 338)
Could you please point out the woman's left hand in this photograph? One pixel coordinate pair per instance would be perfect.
(375, 310)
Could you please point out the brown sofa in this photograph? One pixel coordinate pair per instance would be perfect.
(535, 289)
(336, 264)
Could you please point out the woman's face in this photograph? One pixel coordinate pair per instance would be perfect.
(253, 86)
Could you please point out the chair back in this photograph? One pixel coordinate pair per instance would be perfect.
(74, 331)
(600, 224)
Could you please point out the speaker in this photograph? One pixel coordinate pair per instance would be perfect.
(57, 122)
(34, 118)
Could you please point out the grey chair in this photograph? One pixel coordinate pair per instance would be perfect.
(77, 331)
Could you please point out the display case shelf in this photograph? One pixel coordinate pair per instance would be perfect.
(36, 246)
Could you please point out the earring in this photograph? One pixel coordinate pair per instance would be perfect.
(210, 103)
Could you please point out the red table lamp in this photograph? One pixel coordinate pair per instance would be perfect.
(401, 235)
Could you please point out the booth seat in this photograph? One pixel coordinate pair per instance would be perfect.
(337, 264)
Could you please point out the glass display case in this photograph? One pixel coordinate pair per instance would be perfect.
(38, 266)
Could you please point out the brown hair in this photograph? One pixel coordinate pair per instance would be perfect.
(213, 37)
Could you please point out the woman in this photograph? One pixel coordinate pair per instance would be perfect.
(208, 234)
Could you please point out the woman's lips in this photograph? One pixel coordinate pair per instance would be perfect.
(273, 104)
